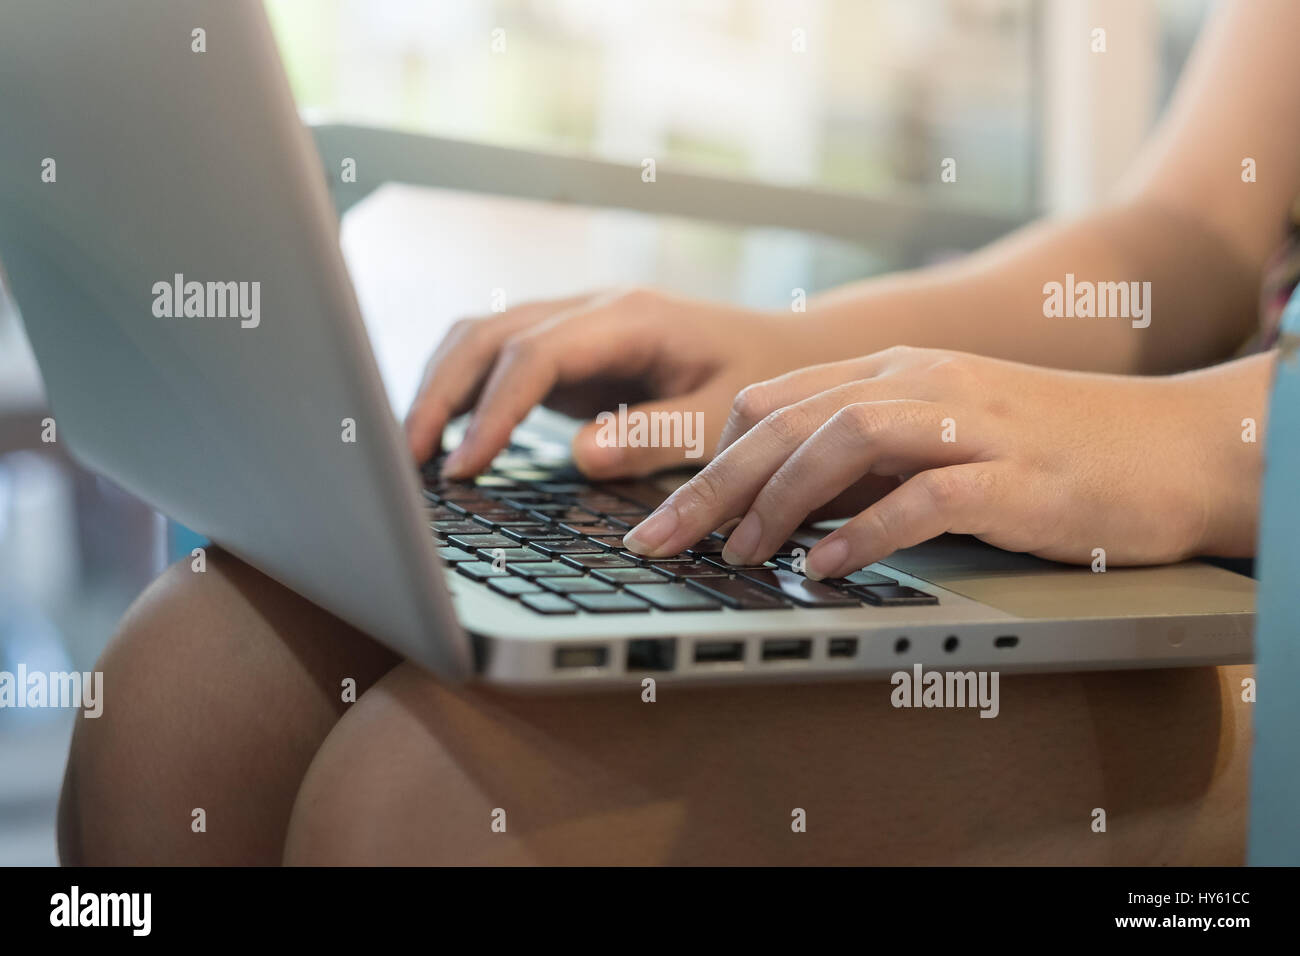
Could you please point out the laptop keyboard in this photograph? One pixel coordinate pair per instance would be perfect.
(554, 542)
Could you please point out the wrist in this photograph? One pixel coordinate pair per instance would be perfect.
(1222, 410)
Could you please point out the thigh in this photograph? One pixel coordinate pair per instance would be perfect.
(218, 688)
(419, 772)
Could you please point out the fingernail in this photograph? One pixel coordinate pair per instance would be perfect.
(826, 559)
(743, 543)
(653, 532)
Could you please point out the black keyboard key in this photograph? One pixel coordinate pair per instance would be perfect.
(550, 512)
(524, 501)
(624, 511)
(548, 604)
(615, 603)
(689, 569)
(894, 595)
(510, 555)
(593, 528)
(601, 501)
(444, 528)
(622, 576)
(470, 503)
(472, 542)
(504, 522)
(532, 531)
(568, 546)
(544, 569)
(512, 587)
(737, 593)
(674, 597)
(572, 515)
(582, 585)
(610, 543)
(478, 570)
(800, 589)
(706, 546)
(455, 555)
(602, 560)
(560, 487)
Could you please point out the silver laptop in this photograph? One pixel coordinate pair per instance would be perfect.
(169, 238)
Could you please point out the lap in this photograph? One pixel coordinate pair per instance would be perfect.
(416, 770)
(219, 686)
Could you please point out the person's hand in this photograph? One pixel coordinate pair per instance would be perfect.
(589, 354)
(1027, 459)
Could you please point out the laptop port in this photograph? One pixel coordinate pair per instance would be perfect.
(719, 652)
(787, 649)
(950, 643)
(901, 645)
(594, 655)
(842, 647)
(1006, 640)
(652, 654)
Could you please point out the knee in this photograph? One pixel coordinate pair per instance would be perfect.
(213, 701)
(400, 781)
(357, 801)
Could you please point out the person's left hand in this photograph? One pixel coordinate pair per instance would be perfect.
(1029, 459)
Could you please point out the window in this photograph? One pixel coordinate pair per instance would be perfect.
(859, 95)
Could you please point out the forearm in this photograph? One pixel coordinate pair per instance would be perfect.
(1202, 297)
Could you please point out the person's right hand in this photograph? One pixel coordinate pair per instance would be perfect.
(587, 354)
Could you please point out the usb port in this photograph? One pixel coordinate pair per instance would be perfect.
(1006, 640)
(718, 652)
(652, 654)
(842, 647)
(591, 656)
(787, 649)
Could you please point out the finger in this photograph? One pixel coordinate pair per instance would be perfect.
(866, 491)
(681, 435)
(459, 365)
(886, 438)
(596, 340)
(756, 402)
(963, 499)
(727, 486)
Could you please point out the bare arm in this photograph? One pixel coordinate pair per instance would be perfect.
(1184, 221)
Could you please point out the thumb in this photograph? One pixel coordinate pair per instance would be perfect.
(653, 436)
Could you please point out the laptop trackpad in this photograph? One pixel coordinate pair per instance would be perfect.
(1030, 587)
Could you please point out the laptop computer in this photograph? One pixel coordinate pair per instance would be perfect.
(169, 239)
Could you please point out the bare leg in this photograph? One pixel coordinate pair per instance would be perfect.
(218, 688)
(415, 770)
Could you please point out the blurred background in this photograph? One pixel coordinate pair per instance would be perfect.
(856, 96)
